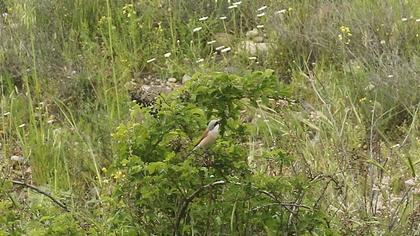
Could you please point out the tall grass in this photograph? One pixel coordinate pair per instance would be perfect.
(353, 66)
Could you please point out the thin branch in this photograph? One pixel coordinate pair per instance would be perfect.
(272, 196)
(189, 199)
(36, 189)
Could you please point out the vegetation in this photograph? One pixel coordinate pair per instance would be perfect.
(318, 101)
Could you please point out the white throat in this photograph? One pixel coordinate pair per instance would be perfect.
(215, 130)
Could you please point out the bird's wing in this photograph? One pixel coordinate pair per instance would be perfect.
(202, 137)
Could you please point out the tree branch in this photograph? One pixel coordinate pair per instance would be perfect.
(36, 189)
(188, 200)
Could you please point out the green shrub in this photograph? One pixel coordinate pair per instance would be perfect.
(165, 190)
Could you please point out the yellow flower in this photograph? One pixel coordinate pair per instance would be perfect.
(345, 29)
(103, 20)
(118, 175)
(345, 34)
(128, 10)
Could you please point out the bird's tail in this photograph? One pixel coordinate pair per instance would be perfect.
(191, 152)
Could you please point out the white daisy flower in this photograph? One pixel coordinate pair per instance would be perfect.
(226, 50)
(151, 60)
(262, 8)
(197, 29)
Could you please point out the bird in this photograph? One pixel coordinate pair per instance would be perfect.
(209, 136)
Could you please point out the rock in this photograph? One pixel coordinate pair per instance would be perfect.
(18, 159)
(223, 39)
(146, 94)
(410, 182)
(172, 80)
(248, 47)
(262, 47)
(252, 48)
(252, 33)
(185, 78)
(258, 39)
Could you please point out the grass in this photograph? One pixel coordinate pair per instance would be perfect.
(352, 66)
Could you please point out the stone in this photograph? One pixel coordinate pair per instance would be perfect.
(252, 48)
(185, 78)
(248, 47)
(262, 47)
(252, 33)
(258, 39)
(18, 159)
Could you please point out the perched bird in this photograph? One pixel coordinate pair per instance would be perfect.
(209, 136)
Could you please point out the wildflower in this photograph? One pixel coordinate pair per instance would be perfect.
(382, 41)
(223, 17)
(345, 29)
(168, 54)
(281, 11)
(418, 20)
(261, 14)
(252, 58)
(4, 14)
(199, 60)
(103, 20)
(260, 26)
(203, 18)
(290, 9)
(128, 10)
(104, 170)
(390, 76)
(197, 29)
(118, 175)
(345, 34)
(396, 145)
(262, 8)
(225, 50)
(151, 60)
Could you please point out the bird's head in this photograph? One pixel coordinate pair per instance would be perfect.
(213, 124)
